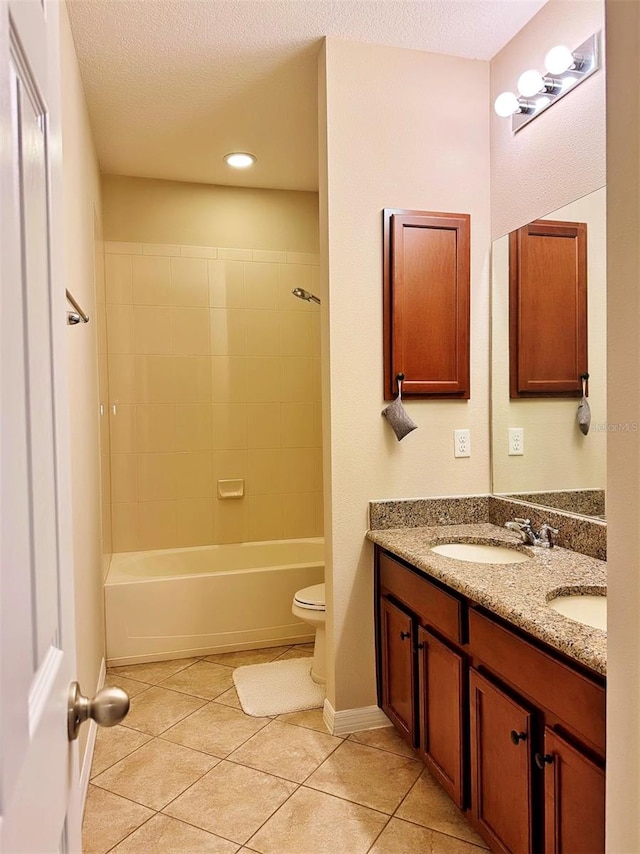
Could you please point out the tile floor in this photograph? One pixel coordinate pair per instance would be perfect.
(189, 773)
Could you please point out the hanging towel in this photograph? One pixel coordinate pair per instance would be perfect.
(584, 410)
(398, 417)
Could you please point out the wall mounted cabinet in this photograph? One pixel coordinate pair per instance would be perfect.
(426, 286)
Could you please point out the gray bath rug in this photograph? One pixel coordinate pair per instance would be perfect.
(278, 687)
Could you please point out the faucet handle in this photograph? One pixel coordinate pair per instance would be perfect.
(522, 521)
(547, 533)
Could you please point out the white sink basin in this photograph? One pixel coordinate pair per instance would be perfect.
(480, 553)
(588, 609)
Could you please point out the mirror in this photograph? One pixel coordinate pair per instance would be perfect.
(559, 467)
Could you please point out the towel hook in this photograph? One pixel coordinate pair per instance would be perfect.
(400, 380)
(584, 377)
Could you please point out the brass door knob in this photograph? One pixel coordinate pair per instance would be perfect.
(107, 708)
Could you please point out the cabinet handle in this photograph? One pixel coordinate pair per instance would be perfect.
(542, 760)
(404, 635)
(517, 737)
(420, 646)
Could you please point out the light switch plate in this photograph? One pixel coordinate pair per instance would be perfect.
(516, 441)
(461, 443)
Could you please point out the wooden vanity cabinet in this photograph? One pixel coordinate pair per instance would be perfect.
(398, 685)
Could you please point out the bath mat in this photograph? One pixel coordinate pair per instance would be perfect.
(278, 687)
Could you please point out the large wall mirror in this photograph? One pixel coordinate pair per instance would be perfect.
(559, 467)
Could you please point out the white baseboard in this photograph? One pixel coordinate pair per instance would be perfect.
(353, 720)
(90, 745)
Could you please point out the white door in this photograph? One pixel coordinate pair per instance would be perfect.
(38, 778)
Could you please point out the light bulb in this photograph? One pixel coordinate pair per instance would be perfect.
(239, 159)
(558, 60)
(530, 83)
(542, 101)
(506, 105)
(568, 82)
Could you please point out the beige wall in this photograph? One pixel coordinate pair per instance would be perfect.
(430, 152)
(559, 156)
(81, 203)
(557, 455)
(623, 461)
(153, 211)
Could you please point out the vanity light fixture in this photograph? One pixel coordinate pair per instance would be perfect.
(565, 69)
(240, 159)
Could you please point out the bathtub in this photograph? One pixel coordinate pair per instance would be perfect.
(197, 601)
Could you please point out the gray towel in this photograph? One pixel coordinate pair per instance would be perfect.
(398, 417)
(584, 415)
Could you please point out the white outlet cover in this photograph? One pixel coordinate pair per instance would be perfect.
(462, 443)
(516, 441)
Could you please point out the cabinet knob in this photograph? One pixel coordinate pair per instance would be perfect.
(420, 646)
(542, 760)
(517, 737)
(404, 635)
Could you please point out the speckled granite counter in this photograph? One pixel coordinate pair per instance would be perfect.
(516, 592)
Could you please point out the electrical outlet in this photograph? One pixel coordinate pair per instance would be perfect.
(516, 441)
(462, 443)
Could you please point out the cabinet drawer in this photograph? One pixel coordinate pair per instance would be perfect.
(429, 603)
(577, 700)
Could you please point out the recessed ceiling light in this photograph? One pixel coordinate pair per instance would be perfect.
(240, 159)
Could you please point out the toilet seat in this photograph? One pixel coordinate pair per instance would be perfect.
(311, 598)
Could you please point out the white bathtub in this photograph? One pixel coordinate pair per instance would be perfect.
(197, 601)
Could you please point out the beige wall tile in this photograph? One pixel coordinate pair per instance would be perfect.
(229, 379)
(265, 517)
(230, 520)
(124, 518)
(302, 258)
(122, 379)
(152, 330)
(118, 279)
(298, 470)
(269, 255)
(229, 426)
(298, 421)
(124, 477)
(299, 515)
(317, 465)
(226, 284)
(263, 423)
(195, 522)
(156, 427)
(160, 249)
(317, 425)
(297, 379)
(235, 254)
(263, 379)
(101, 329)
(228, 332)
(263, 472)
(191, 331)
(229, 464)
(155, 381)
(194, 474)
(122, 428)
(263, 333)
(156, 477)
(198, 251)
(193, 427)
(157, 525)
(189, 282)
(151, 280)
(116, 247)
(120, 328)
(261, 284)
(319, 514)
(316, 379)
(192, 376)
(315, 333)
(293, 276)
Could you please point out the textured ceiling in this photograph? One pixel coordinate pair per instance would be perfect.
(173, 85)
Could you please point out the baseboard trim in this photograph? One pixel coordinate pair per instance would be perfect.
(353, 720)
(85, 774)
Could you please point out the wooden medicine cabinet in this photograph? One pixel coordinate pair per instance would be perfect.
(548, 309)
(426, 284)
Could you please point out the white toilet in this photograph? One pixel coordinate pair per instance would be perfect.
(309, 606)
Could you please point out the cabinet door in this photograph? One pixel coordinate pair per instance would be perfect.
(441, 684)
(398, 669)
(574, 799)
(501, 793)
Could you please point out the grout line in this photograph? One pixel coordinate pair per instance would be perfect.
(120, 841)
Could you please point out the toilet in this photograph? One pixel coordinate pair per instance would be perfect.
(309, 606)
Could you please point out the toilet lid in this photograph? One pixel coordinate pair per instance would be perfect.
(311, 597)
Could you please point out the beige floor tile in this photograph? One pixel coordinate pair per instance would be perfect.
(157, 709)
(367, 776)
(386, 738)
(311, 719)
(156, 773)
(305, 647)
(131, 686)
(229, 698)
(202, 679)
(113, 744)
(402, 836)
(152, 672)
(108, 819)
(164, 835)
(443, 844)
(215, 729)
(288, 751)
(294, 653)
(231, 801)
(427, 804)
(247, 656)
(315, 823)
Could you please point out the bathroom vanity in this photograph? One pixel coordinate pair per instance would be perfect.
(501, 697)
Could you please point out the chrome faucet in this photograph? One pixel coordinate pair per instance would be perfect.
(543, 539)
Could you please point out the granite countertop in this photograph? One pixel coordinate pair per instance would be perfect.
(516, 592)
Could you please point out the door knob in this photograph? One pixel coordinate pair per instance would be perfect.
(516, 737)
(107, 708)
